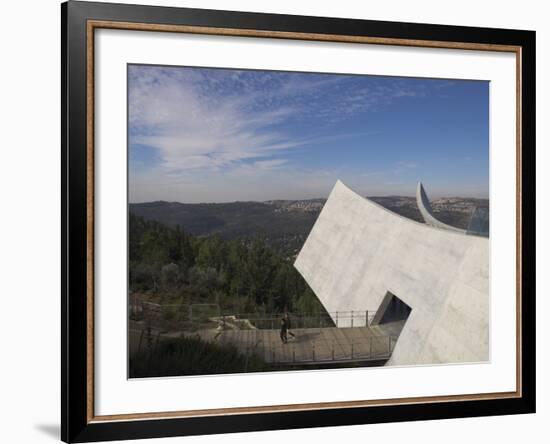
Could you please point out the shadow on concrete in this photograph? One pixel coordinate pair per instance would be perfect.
(51, 430)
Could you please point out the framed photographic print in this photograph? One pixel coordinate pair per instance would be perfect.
(276, 221)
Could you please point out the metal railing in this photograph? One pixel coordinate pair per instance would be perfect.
(376, 348)
(192, 316)
(271, 321)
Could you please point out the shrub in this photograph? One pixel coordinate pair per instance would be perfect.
(192, 356)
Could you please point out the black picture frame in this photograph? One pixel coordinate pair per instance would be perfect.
(76, 423)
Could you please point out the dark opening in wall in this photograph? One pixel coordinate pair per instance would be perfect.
(391, 309)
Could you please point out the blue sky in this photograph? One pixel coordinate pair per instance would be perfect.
(222, 135)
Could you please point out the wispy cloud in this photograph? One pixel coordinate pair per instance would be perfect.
(172, 112)
(214, 119)
(270, 164)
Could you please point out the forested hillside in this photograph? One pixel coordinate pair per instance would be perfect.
(281, 226)
(169, 265)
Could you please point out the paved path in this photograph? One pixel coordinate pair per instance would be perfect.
(309, 346)
(313, 345)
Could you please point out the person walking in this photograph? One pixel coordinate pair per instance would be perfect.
(288, 325)
(284, 330)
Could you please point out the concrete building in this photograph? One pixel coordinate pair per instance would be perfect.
(360, 256)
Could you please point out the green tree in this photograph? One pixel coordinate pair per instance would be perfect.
(212, 253)
(169, 275)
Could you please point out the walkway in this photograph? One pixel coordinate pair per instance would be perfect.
(313, 345)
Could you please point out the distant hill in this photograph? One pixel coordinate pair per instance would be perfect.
(285, 224)
(455, 211)
(285, 228)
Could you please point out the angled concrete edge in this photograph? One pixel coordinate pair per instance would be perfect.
(358, 251)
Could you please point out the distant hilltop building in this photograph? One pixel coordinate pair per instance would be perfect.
(360, 256)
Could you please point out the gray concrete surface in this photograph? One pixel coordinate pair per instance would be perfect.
(426, 211)
(357, 251)
(316, 344)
